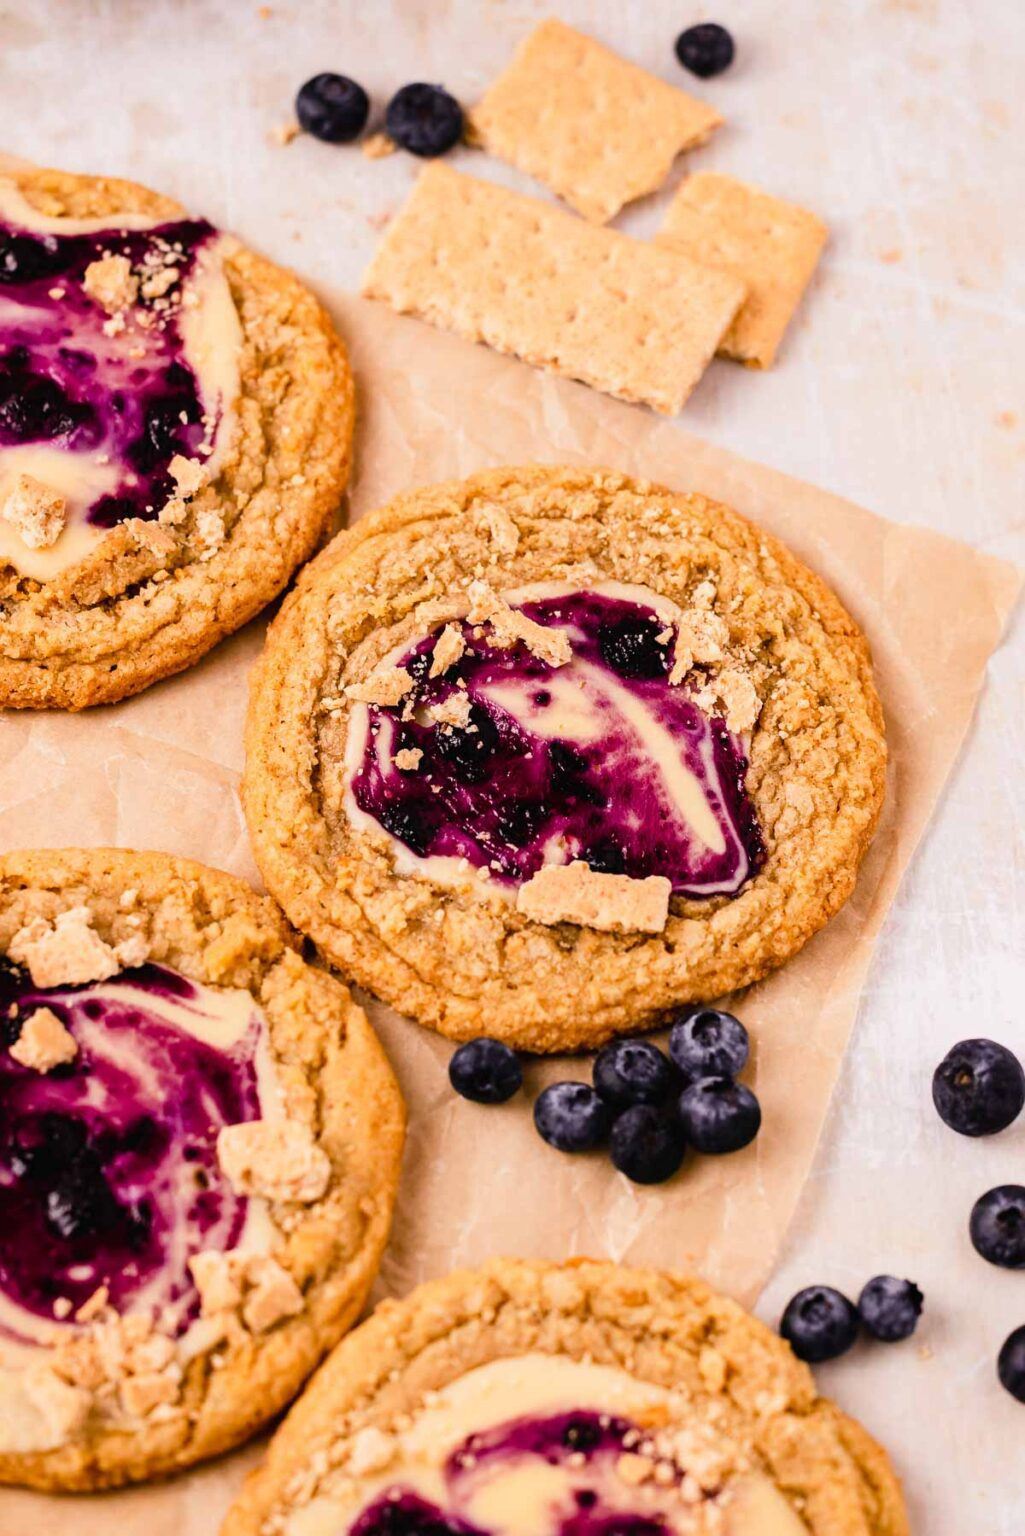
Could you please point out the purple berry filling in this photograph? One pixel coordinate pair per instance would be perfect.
(584, 1441)
(108, 1164)
(65, 383)
(497, 791)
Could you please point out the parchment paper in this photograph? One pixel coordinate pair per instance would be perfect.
(162, 770)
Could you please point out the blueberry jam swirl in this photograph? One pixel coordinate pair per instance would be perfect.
(108, 1164)
(119, 393)
(601, 759)
(592, 1499)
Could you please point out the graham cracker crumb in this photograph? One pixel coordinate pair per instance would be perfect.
(376, 145)
(277, 1159)
(155, 284)
(508, 626)
(387, 686)
(94, 1305)
(66, 951)
(274, 1295)
(504, 534)
(217, 1280)
(575, 893)
(371, 1450)
(408, 759)
(189, 475)
(455, 710)
(701, 637)
(450, 646)
(284, 133)
(111, 282)
(633, 1469)
(35, 511)
(142, 1393)
(44, 1043)
(732, 695)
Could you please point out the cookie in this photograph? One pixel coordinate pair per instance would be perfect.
(544, 753)
(176, 417)
(528, 1398)
(769, 245)
(637, 320)
(597, 130)
(200, 1140)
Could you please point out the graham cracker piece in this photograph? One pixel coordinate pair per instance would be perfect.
(771, 245)
(626, 316)
(575, 893)
(597, 130)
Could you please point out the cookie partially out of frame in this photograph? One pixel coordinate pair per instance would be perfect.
(554, 818)
(525, 1395)
(176, 418)
(200, 1140)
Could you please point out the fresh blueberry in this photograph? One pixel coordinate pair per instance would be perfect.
(571, 1117)
(997, 1226)
(705, 50)
(630, 647)
(819, 1324)
(719, 1115)
(890, 1308)
(424, 119)
(469, 748)
(647, 1144)
(1011, 1364)
(707, 1043)
(633, 1072)
(978, 1088)
(485, 1071)
(333, 108)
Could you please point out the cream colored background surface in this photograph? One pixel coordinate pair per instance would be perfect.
(900, 124)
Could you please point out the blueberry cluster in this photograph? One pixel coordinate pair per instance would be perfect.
(821, 1323)
(647, 1107)
(978, 1090)
(424, 119)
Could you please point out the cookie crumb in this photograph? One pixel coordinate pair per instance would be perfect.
(633, 1469)
(450, 646)
(733, 695)
(155, 284)
(141, 1393)
(111, 282)
(575, 893)
(216, 1277)
(277, 1159)
(44, 1043)
(35, 511)
(408, 759)
(189, 475)
(371, 1451)
(386, 687)
(93, 1305)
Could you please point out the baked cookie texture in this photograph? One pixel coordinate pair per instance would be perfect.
(343, 1107)
(465, 965)
(743, 1394)
(151, 599)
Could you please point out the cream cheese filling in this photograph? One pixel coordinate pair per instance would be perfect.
(220, 1018)
(524, 1495)
(583, 698)
(211, 334)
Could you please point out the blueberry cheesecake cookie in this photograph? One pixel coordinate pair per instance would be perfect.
(199, 1150)
(544, 753)
(530, 1399)
(175, 425)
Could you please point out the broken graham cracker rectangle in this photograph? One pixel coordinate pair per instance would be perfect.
(772, 246)
(625, 316)
(597, 130)
(575, 893)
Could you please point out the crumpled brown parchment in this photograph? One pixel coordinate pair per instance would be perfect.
(162, 771)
